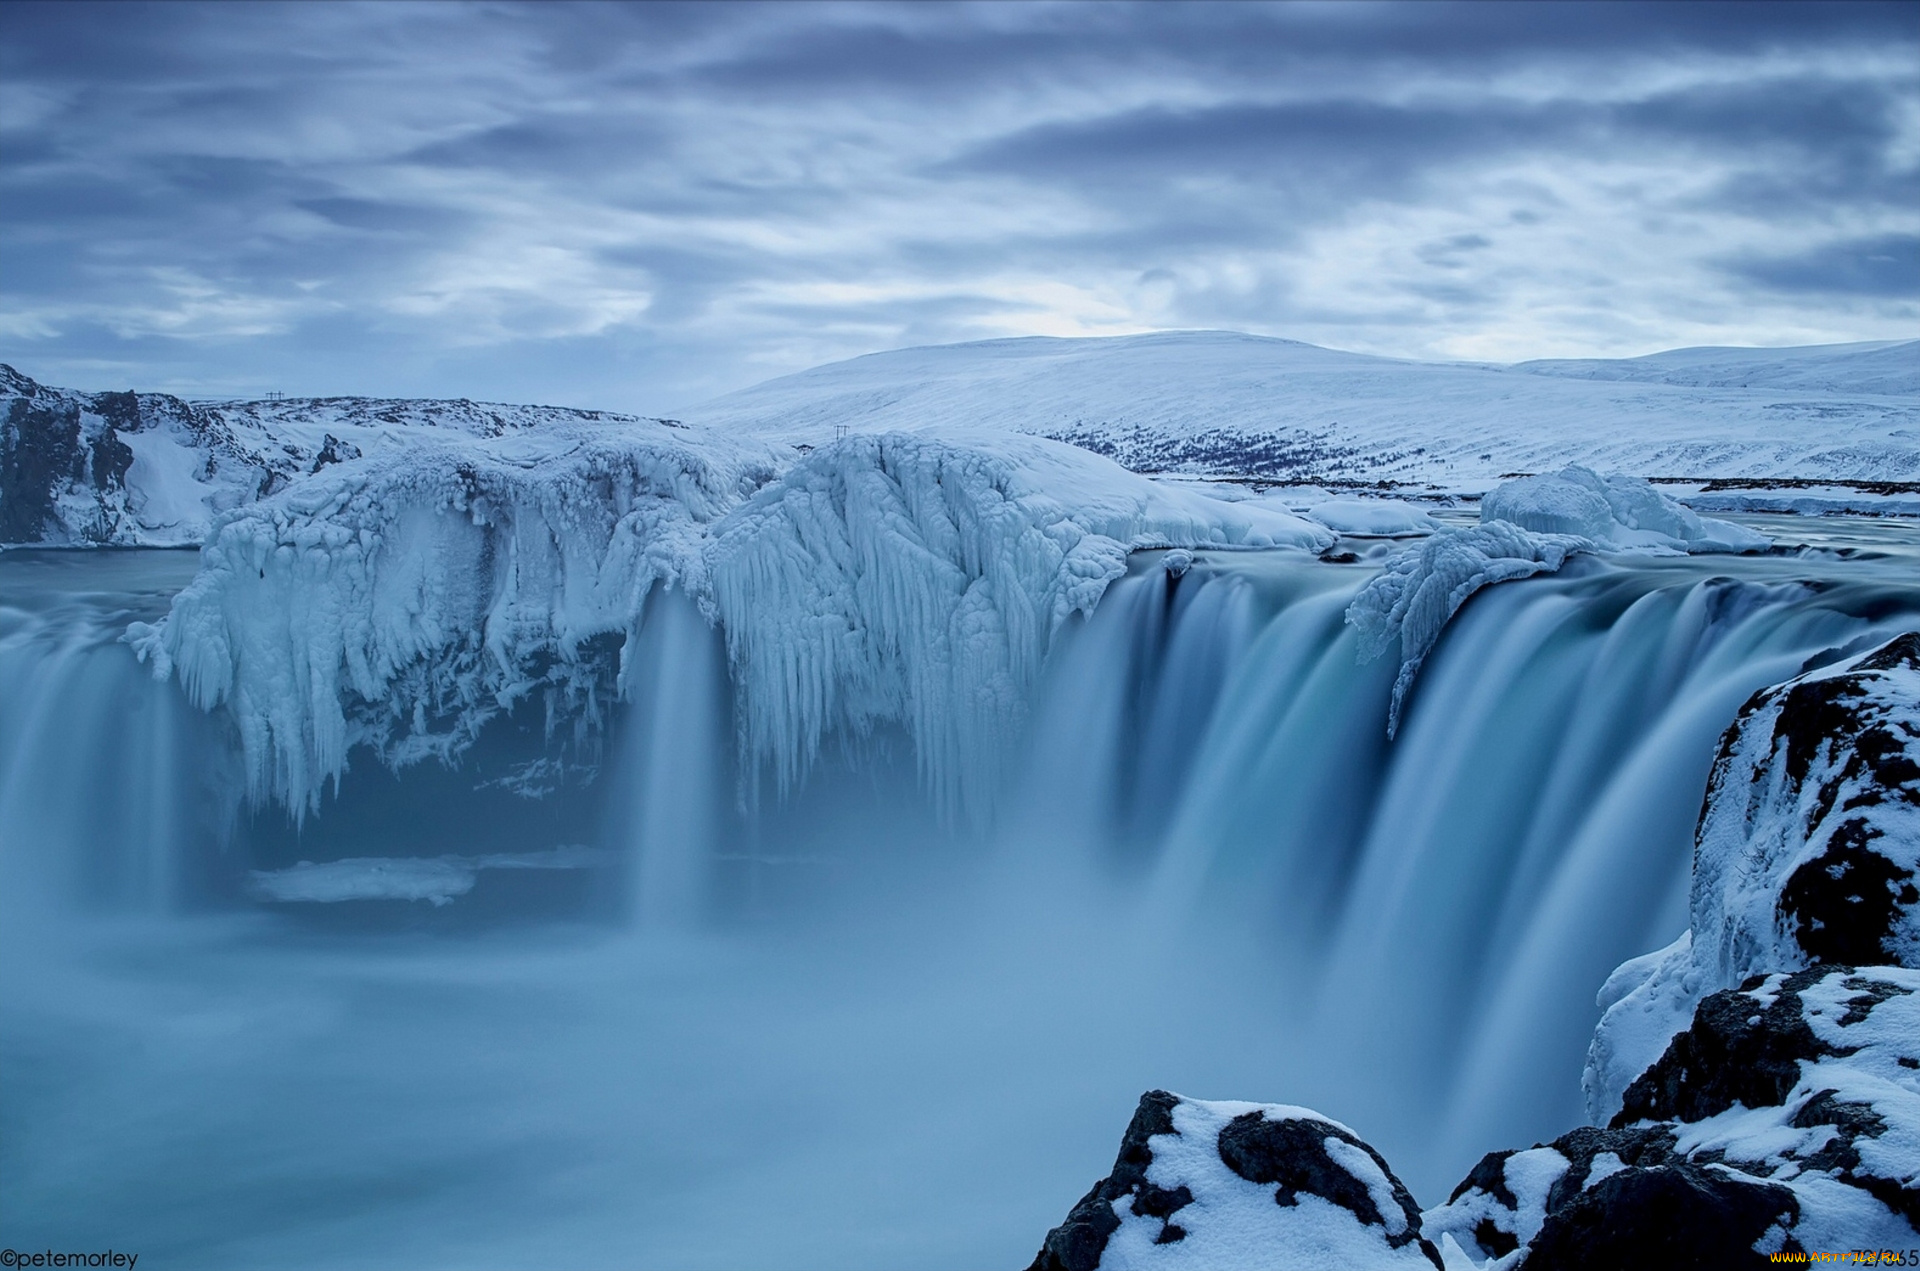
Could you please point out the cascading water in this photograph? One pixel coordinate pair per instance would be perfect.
(808, 1025)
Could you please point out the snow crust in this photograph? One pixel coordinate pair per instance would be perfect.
(1529, 526)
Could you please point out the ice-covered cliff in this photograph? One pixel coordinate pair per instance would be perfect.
(402, 598)
(152, 470)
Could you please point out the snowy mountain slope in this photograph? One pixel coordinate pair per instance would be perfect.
(1875, 367)
(152, 470)
(1238, 404)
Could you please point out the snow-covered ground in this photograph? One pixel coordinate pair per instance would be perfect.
(1223, 402)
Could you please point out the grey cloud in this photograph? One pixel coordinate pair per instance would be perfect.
(725, 161)
(1887, 266)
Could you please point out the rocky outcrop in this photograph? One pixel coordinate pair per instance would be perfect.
(1203, 1184)
(1808, 851)
(71, 471)
(1785, 1118)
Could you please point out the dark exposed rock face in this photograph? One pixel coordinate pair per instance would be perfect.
(1078, 1243)
(1207, 1177)
(1671, 1216)
(40, 455)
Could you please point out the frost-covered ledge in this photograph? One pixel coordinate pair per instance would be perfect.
(400, 602)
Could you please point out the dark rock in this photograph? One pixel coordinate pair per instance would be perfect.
(1737, 1051)
(40, 455)
(1078, 1243)
(1293, 1154)
(1670, 1216)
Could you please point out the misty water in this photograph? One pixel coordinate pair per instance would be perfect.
(642, 1016)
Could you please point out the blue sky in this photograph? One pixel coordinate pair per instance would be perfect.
(638, 206)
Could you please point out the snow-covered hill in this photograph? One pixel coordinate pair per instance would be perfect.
(1227, 403)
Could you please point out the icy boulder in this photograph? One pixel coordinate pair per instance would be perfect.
(1618, 512)
(1808, 851)
(920, 580)
(1243, 1185)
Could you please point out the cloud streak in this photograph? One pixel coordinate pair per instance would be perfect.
(637, 206)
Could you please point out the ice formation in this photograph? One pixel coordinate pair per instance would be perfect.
(1808, 851)
(922, 580)
(1528, 526)
(400, 600)
(1616, 512)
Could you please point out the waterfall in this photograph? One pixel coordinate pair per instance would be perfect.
(1209, 869)
(1451, 899)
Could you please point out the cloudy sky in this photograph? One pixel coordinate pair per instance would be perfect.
(637, 206)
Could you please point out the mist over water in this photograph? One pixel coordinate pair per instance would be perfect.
(656, 1029)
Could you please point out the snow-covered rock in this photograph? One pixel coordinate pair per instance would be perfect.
(1786, 1117)
(1373, 518)
(1808, 851)
(1259, 1187)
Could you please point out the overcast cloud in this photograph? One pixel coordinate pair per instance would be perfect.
(639, 206)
